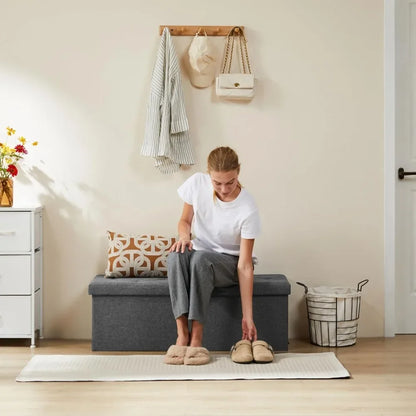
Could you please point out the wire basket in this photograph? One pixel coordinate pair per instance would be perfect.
(333, 314)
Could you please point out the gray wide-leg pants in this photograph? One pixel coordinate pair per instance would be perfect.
(192, 276)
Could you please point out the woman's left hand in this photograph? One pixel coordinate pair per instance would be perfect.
(249, 329)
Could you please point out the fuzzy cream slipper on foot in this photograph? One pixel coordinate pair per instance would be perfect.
(262, 352)
(196, 356)
(175, 355)
(241, 352)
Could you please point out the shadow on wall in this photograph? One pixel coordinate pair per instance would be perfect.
(71, 242)
(298, 322)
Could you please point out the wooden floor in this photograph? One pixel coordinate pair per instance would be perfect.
(383, 382)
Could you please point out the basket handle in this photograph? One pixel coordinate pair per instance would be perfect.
(305, 287)
(361, 284)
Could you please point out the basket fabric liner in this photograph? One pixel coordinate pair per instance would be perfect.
(336, 292)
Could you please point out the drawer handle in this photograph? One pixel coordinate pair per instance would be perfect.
(7, 233)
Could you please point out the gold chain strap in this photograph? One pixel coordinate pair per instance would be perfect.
(228, 53)
(243, 45)
(238, 34)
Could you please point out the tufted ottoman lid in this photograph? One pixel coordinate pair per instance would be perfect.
(264, 285)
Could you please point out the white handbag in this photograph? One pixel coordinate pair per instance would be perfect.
(237, 85)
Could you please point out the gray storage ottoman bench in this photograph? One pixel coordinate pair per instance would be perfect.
(134, 314)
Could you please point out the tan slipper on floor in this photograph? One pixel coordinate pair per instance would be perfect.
(262, 352)
(196, 356)
(241, 352)
(175, 355)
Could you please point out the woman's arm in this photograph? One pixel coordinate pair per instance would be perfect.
(184, 229)
(245, 278)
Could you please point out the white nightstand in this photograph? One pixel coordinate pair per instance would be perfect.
(21, 251)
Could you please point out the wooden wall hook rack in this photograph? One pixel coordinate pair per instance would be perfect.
(192, 30)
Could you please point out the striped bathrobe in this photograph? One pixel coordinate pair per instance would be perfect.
(167, 130)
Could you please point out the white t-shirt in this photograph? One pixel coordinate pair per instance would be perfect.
(218, 225)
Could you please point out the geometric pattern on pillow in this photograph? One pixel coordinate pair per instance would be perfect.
(137, 255)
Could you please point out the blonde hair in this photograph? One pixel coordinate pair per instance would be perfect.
(223, 159)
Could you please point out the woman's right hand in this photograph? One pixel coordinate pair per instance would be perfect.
(180, 245)
(249, 330)
(184, 230)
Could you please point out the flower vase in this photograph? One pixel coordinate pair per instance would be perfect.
(6, 192)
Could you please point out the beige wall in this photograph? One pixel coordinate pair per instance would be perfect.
(75, 75)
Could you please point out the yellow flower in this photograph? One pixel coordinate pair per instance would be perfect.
(35, 143)
(22, 140)
(10, 131)
(8, 160)
(6, 150)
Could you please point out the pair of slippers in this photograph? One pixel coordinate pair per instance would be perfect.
(245, 351)
(178, 354)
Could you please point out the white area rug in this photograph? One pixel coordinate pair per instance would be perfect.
(151, 367)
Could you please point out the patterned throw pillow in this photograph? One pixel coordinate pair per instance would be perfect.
(137, 255)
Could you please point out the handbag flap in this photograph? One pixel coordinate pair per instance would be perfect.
(237, 81)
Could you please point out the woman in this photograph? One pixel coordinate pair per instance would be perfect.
(225, 223)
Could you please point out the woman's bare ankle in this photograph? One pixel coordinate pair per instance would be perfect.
(196, 334)
(182, 331)
(182, 340)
